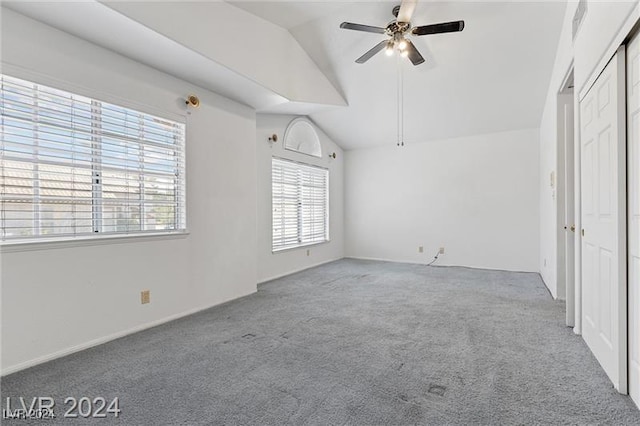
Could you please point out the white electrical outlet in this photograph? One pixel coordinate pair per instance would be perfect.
(420, 249)
(308, 252)
(441, 251)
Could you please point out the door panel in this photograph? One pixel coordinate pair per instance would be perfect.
(589, 309)
(604, 302)
(587, 178)
(633, 152)
(603, 176)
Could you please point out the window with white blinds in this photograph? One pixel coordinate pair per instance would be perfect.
(75, 166)
(300, 201)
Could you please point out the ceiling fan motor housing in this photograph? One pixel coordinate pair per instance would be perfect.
(395, 27)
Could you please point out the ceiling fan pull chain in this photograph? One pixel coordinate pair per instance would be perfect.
(400, 70)
(399, 106)
(400, 87)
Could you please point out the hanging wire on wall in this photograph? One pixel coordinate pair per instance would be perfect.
(400, 141)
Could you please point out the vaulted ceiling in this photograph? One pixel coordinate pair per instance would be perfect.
(292, 57)
(491, 77)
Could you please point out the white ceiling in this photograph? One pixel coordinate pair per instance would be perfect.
(95, 22)
(289, 14)
(182, 39)
(491, 77)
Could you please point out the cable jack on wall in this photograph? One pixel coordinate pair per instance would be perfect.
(440, 251)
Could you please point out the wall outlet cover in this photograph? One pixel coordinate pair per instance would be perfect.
(421, 249)
(145, 296)
(441, 251)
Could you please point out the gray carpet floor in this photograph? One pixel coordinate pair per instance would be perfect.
(351, 342)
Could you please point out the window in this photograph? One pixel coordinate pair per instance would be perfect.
(302, 137)
(75, 166)
(300, 195)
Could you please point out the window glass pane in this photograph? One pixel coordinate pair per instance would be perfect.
(64, 218)
(18, 218)
(16, 180)
(119, 218)
(160, 216)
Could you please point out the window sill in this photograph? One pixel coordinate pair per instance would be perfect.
(299, 247)
(84, 241)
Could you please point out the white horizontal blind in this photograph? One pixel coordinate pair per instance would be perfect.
(300, 198)
(73, 166)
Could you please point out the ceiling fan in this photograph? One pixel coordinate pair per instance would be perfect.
(398, 29)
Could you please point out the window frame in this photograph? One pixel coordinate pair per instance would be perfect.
(99, 236)
(299, 223)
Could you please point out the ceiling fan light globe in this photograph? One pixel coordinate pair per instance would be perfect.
(389, 49)
(404, 53)
(402, 45)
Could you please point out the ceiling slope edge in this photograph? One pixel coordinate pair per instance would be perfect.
(266, 54)
(111, 29)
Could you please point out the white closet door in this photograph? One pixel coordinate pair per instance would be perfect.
(633, 152)
(603, 170)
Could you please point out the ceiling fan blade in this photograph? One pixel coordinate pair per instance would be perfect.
(406, 10)
(360, 27)
(378, 47)
(445, 27)
(414, 56)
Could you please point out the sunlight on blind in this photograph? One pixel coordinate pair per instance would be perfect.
(73, 166)
(300, 204)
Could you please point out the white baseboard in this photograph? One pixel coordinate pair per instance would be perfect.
(379, 259)
(77, 348)
(412, 262)
(551, 293)
(304, 268)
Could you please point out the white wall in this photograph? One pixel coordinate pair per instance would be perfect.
(272, 265)
(599, 30)
(476, 196)
(603, 30)
(59, 299)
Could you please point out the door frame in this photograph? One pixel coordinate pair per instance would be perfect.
(566, 194)
(577, 210)
(632, 185)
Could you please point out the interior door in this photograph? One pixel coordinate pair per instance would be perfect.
(633, 152)
(603, 189)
